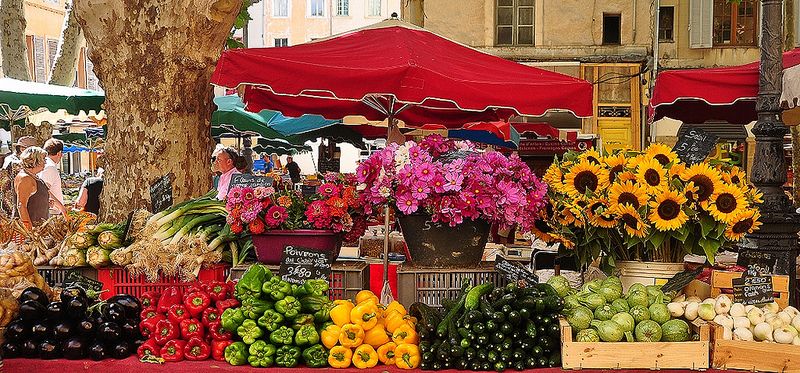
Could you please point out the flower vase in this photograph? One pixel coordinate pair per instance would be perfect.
(270, 244)
(441, 246)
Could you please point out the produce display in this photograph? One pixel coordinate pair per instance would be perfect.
(186, 325)
(17, 273)
(489, 328)
(277, 323)
(91, 246)
(43, 243)
(74, 327)
(601, 312)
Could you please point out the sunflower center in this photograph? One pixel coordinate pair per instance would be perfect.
(596, 206)
(726, 203)
(735, 179)
(743, 226)
(542, 226)
(652, 177)
(705, 187)
(661, 158)
(592, 159)
(586, 180)
(607, 218)
(612, 174)
(630, 221)
(628, 198)
(668, 210)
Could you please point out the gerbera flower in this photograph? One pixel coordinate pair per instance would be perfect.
(328, 189)
(726, 203)
(627, 193)
(662, 153)
(632, 221)
(705, 178)
(275, 216)
(651, 174)
(585, 176)
(745, 222)
(600, 215)
(667, 211)
(616, 164)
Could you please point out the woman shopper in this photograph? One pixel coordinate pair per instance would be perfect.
(33, 195)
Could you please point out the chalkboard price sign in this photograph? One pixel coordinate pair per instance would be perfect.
(252, 181)
(766, 262)
(514, 272)
(695, 145)
(299, 264)
(753, 290)
(75, 278)
(308, 190)
(161, 194)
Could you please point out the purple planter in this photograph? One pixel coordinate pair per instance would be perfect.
(269, 245)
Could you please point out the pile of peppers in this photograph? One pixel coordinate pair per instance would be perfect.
(186, 325)
(277, 323)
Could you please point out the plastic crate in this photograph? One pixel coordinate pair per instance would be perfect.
(347, 277)
(432, 285)
(117, 280)
(54, 276)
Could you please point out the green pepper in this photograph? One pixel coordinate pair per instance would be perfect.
(302, 319)
(253, 308)
(276, 288)
(236, 353)
(232, 318)
(270, 320)
(289, 306)
(287, 356)
(282, 336)
(315, 356)
(249, 331)
(316, 287)
(324, 314)
(261, 354)
(314, 303)
(307, 335)
(249, 286)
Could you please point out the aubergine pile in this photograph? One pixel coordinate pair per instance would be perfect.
(74, 328)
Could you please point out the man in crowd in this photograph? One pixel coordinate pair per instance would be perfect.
(11, 167)
(294, 169)
(226, 163)
(52, 173)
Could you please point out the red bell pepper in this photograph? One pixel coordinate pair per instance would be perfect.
(193, 288)
(218, 349)
(217, 291)
(197, 302)
(192, 328)
(149, 298)
(178, 313)
(148, 326)
(196, 349)
(218, 333)
(173, 350)
(210, 315)
(148, 312)
(165, 331)
(170, 296)
(227, 303)
(231, 286)
(149, 348)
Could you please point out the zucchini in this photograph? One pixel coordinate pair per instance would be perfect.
(441, 330)
(475, 295)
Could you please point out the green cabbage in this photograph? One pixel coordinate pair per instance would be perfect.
(620, 305)
(640, 313)
(659, 312)
(608, 330)
(560, 284)
(675, 331)
(638, 298)
(579, 318)
(587, 335)
(592, 300)
(648, 331)
(604, 312)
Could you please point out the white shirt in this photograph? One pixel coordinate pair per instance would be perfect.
(51, 176)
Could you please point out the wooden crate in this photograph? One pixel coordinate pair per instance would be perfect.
(722, 283)
(636, 355)
(753, 356)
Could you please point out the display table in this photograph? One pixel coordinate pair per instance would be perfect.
(133, 365)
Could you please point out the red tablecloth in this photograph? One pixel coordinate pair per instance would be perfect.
(132, 365)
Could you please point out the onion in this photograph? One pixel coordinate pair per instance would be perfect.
(763, 332)
(706, 311)
(793, 312)
(724, 320)
(679, 298)
(773, 307)
(691, 311)
(755, 316)
(710, 301)
(693, 298)
(742, 334)
(737, 310)
(741, 322)
(785, 317)
(783, 336)
(676, 309)
(796, 322)
(722, 305)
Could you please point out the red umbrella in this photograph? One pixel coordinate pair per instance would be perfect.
(724, 93)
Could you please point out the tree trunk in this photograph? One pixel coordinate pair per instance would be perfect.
(154, 60)
(795, 164)
(12, 39)
(63, 72)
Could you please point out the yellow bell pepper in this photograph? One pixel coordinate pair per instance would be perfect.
(406, 356)
(396, 306)
(365, 357)
(405, 334)
(394, 320)
(365, 295)
(340, 314)
(351, 335)
(340, 357)
(376, 336)
(386, 353)
(365, 314)
(330, 336)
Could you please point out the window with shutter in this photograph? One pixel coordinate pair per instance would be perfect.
(39, 59)
(701, 20)
(280, 8)
(514, 22)
(735, 23)
(342, 7)
(52, 48)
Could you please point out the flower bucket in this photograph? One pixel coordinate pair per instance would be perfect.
(441, 246)
(646, 273)
(270, 244)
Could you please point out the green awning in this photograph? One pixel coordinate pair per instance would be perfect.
(231, 117)
(17, 93)
(278, 146)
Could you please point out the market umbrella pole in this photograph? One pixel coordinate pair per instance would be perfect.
(391, 136)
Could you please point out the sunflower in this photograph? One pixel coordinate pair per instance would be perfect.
(726, 203)
(690, 191)
(676, 170)
(735, 176)
(746, 221)
(662, 153)
(616, 164)
(600, 214)
(651, 174)
(553, 177)
(570, 216)
(667, 211)
(590, 155)
(705, 178)
(585, 176)
(542, 231)
(627, 193)
(632, 221)
(755, 195)
(626, 176)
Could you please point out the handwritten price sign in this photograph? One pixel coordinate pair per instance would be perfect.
(299, 264)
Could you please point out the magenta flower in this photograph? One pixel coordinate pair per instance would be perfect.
(425, 171)
(275, 216)
(438, 183)
(453, 181)
(407, 204)
(420, 190)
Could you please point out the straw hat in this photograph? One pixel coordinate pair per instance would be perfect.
(24, 142)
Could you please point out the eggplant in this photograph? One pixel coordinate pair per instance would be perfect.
(41, 330)
(55, 311)
(98, 351)
(73, 349)
(76, 308)
(10, 350)
(28, 349)
(131, 305)
(130, 330)
(32, 311)
(109, 332)
(73, 292)
(49, 350)
(63, 330)
(86, 328)
(121, 350)
(17, 331)
(35, 294)
(114, 312)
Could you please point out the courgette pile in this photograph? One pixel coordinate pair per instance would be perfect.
(487, 328)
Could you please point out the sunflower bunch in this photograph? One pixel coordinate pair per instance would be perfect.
(646, 206)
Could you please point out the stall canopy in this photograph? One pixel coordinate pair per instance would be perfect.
(17, 93)
(500, 134)
(724, 93)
